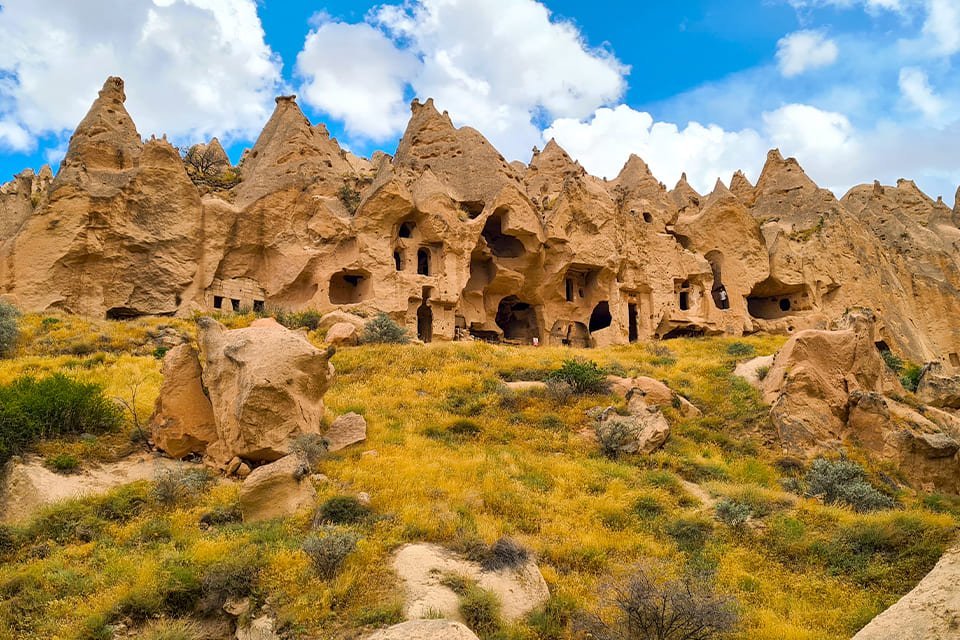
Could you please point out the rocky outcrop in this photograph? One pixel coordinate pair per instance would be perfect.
(454, 242)
(425, 630)
(278, 489)
(642, 431)
(931, 611)
(939, 388)
(652, 392)
(829, 389)
(263, 387)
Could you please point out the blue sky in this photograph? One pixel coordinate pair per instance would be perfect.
(856, 89)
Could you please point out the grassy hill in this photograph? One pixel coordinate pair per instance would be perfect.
(459, 460)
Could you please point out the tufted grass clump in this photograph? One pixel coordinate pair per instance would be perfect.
(329, 549)
(172, 486)
(342, 510)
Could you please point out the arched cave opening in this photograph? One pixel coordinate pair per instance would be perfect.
(600, 318)
(349, 287)
(517, 320)
(501, 245)
(423, 261)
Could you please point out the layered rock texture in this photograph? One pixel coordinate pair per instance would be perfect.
(453, 241)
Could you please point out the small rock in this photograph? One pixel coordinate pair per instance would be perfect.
(363, 498)
(425, 630)
(348, 429)
(243, 471)
(237, 607)
(233, 466)
(259, 629)
(342, 334)
(277, 489)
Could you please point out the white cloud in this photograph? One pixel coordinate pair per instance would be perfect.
(943, 25)
(805, 50)
(193, 68)
(501, 66)
(13, 137)
(872, 6)
(807, 132)
(915, 87)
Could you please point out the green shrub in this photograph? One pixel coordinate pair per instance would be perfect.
(893, 362)
(844, 482)
(309, 319)
(506, 553)
(732, 513)
(63, 462)
(341, 510)
(481, 611)
(762, 372)
(740, 349)
(350, 198)
(171, 486)
(464, 428)
(32, 409)
(221, 515)
(690, 532)
(910, 377)
(613, 434)
(647, 507)
(234, 577)
(583, 376)
(330, 549)
(552, 620)
(9, 329)
(383, 330)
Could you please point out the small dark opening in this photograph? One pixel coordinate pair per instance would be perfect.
(218, 302)
(600, 318)
(684, 301)
(423, 262)
(647, 217)
(349, 287)
(569, 290)
(425, 322)
(235, 304)
(398, 260)
(632, 324)
(406, 229)
(684, 332)
(502, 245)
(473, 209)
(258, 306)
(122, 313)
(785, 304)
(955, 360)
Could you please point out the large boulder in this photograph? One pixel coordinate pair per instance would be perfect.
(422, 568)
(182, 421)
(939, 388)
(425, 630)
(653, 392)
(930, 612)
(277, 489)
(261, 387)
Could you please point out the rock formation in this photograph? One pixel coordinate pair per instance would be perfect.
(278, 489)
(246, 396)
(454, 242)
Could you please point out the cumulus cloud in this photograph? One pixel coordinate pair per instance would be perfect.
(915, 87)
(502, 66)
(943, 25)
(805, 50)
(193, 68)
(871, 6)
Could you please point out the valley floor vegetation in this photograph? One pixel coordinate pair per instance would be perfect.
(767, 547)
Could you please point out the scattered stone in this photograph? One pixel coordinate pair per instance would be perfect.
(425, 630)
(654, 393)
(749, 370)
(526, 385)
(233, 465)
(642, 432)
(260, 629)
(421, 568)
(243, 471)
(938, 388)
(343, 334)
(363, 498)
(277, 489)
(348, 429)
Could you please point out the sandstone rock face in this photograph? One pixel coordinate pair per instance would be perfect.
(939, 388)
(277, 490)
(342, 334)
(425, 630)
(245, 397)
(642, 432)
(266, 386)
(421, 568)
(832, 388)
(453, 241)
(930, 612)
(182, 421)
(348, 429)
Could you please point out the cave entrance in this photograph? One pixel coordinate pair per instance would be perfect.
(771, 300)
(570, 334)
(423, 261)
(425, 322)
(684, 332)
(349, 287)
(398, 260)
(719, 292)
(518, 320)
(600, 318)
(501, 245)
(633, 325)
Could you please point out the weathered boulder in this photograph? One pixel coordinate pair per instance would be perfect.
(425, 630)
(931, 611)
(266, 386)
(343, 334)
(422, 567)
(339, 317)
(754, 370)
(261, 628)
(643, 431)
(182, 421)
(277, 489)
(653, 392)
(939, 388)
(348, 429)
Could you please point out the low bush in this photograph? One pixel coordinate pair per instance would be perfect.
(330, 549)
(341, 510)
(559, 391)
(685, 609)
(221, 515)
(172, 486)
(314, 447)
(382, 329)
(506, 553)
(63, 462)
(32, 409)
(740, 349)
(690, 532)
(309, 319)
(481, 611)
(613, 434)
(844, 482)
(234, 577)
(172, 630)
(910, 377)
(584, 376)
(732, 513)
(552, 620)
(9, 328)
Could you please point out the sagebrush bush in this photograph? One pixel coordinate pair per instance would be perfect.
(9, 328)
(172, 486)
(732, 513)
(32, 409)
(584, 376)
(329, 549)
(844, 482)
(685, 609)
(341, 510)
(612, 435)
(559, 392)
(740, 349)
(309, 319)
(314, 447)
(234, 577)
(221, 515)
(690, 532)
(910, 377)
(383, 330)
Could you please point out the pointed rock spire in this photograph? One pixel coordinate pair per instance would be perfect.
(106, 138)
(740, 186)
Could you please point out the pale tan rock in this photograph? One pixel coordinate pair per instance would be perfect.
(266, 386)
(339, 317)
(342, 334)
(525, 385)
(750, 370)
(277, 490)
(348, 429)
(653, 392)
(939, 388)
(642, 432)
(425, 630)
(421, 568)
(261, 628)
(931, 611)
(183, 420)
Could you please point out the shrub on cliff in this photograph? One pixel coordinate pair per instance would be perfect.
(9, 328)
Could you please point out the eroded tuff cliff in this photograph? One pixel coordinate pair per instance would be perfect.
(453, 241)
